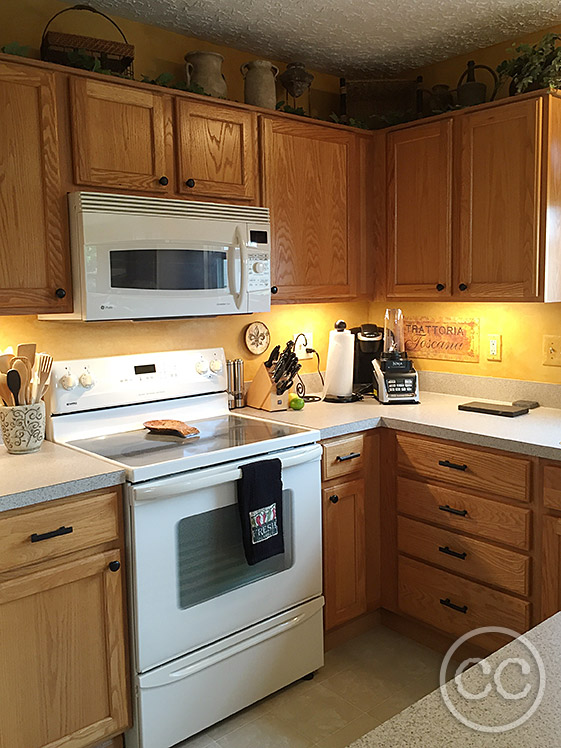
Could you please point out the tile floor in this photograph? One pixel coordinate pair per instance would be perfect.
(363, 683)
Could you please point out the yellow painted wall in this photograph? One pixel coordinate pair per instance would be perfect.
(156, 50)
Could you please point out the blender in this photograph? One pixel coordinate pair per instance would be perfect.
(395, 378)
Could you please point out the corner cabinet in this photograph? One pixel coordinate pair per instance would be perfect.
(311, 181)
(62, 624)
(34, 257)
(472, 212)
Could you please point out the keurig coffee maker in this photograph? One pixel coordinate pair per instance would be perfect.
(395, 379)
(369, 342)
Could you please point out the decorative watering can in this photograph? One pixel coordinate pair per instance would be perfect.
(474, 92)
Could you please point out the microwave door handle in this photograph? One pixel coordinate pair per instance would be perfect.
(240, 297)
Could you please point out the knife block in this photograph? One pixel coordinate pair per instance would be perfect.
(262, 392)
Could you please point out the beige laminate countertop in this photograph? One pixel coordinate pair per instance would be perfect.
(430, 724)
(536, 433)
(51, 473)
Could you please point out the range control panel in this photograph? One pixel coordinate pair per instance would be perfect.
(87, 384)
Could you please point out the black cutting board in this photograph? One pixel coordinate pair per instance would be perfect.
(494, 409)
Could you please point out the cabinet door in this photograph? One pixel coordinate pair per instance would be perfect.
(118, 137)
(551, 567)
(499, 185)
(420, 211)
(34, 255)
(62, 655)
(311, 184)
(344, 556)
(216, 151)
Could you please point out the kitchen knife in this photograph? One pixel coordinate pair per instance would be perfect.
(273, 357)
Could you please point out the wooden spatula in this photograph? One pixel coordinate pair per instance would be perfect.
(5, 362)
(27, 350)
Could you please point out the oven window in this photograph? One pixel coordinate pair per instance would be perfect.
(211, 559)
(168, 269)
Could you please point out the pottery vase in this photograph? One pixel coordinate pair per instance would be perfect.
(260, 88)
(204, 69)
(296, 79)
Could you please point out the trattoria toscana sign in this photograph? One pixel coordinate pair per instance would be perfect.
(449, 339)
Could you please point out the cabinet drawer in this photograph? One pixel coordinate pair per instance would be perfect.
(488, 519)
(465, 467)
(461, 555)
(428, 594)
(343, 456)
(552, 487)
(52, 530)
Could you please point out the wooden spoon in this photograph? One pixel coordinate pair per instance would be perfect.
(5, 393)
(22, 367)
(5, 362)
(14, 383)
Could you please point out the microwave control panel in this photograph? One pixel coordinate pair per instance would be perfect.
(259, 270)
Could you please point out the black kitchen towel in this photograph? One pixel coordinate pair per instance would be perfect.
(260, 507)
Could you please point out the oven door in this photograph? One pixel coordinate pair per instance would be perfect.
(191, 582)
(140, 279)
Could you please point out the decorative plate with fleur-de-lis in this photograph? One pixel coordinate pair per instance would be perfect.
(257, 337)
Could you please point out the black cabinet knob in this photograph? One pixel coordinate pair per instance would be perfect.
(440, 286)
(114, 566)
(190, 182)
(463, 286)
(334, 499)
(163, 181)
(60, 292)
(274, 289)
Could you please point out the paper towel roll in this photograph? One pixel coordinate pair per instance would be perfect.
(340, 359)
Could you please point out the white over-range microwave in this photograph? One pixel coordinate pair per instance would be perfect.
(148, 258)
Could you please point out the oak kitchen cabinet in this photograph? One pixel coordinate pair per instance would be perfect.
(311, 181)
(62, 623)
(34, 255)
(474, 216)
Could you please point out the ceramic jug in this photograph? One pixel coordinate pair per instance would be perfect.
(260, 87)
(204, 69)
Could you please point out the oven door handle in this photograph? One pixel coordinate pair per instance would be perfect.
(239, 295)
(167, 488)
(235, 649)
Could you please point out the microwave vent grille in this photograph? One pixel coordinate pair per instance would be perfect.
(99, 202)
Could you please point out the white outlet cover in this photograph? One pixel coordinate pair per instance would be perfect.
(300, 349)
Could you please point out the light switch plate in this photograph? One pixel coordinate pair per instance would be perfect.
(494, 347)
(552, 350)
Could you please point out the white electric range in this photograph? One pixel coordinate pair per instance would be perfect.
(210, 634)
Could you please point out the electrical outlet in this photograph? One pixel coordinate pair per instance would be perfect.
(495, 347)
(552, 350)
(302, 344)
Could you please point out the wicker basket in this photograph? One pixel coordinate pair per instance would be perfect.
(115, 56)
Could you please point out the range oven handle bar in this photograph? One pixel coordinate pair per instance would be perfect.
(168, 488)
(235, 649)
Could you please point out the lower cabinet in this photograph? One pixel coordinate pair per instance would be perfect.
(344, 541)
(551, 566)
(62, 637)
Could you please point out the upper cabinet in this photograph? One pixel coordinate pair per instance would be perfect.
(499, 201)
(216, 150)
(118, 137)
(34, 256)
(311, 178)
(493, 229)
(420, 210)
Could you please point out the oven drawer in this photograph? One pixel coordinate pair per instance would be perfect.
(488, 519)
(456, 605)
(465, 467)
(343, 456)
(57, 528)
(461, 555)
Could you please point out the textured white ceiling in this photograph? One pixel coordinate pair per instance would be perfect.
(347, 36)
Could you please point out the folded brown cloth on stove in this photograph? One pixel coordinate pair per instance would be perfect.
(260, 507)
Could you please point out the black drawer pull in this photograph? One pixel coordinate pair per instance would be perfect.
(453, 465)
(451, 510)
(448, 604)
(35, 538)
(450, 552)
(334, 499)
(351, 456)
(114, 566)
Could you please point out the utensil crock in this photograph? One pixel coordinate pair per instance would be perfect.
(23, 427)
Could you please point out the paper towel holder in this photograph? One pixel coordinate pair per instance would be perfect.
(340, 326)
